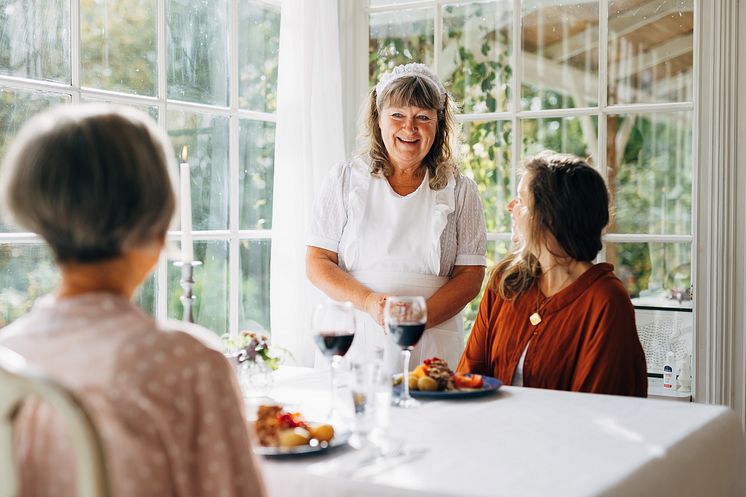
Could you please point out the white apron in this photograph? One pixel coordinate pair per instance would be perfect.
(395, 250)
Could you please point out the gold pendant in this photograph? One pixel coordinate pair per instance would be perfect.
(535, 318)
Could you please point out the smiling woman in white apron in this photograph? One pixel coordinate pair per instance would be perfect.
(401, 220)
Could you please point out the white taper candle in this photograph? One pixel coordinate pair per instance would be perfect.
(185, 191)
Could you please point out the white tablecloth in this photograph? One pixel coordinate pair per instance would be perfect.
(528, 442)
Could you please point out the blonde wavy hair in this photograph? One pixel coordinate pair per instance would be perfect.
(417, 91)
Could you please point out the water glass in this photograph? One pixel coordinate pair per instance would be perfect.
(371, 398)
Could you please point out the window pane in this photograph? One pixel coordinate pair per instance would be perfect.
(197, 50)
(559, 54)
(476, 55)
(254, 285)
(649, 161)
(145, 296)
(16, 107)
(26, 272)
(118, 45)
(399, 38)
(568, 135)
(35, 39)
(206, 136)
(650, 51)
(210, 287)
(655, 274)
(496, 250)
(487, 159)
(258, 55)
(257, 163)
(375, 3)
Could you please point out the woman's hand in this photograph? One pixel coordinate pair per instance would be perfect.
(373, 305)
(322, 268)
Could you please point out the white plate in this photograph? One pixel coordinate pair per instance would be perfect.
(339, 440)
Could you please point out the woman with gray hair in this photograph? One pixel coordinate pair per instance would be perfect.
(399, 219)
(94, 182)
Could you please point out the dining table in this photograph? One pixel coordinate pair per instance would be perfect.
(515, 442)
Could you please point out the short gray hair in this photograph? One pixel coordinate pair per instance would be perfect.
(92, 180)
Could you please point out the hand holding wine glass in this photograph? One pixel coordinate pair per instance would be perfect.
(333, 328)
(405, 319)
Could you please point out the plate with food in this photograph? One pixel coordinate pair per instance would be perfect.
(281, 433)
(433, 379)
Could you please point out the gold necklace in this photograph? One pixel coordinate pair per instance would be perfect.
(535, 318)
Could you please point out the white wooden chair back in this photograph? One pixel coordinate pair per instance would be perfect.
(18, 382)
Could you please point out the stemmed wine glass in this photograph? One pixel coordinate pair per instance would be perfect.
(405, 318)
(333, 327)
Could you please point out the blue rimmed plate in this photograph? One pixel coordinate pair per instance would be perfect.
(490, 386)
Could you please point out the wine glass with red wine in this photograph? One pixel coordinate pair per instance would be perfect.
(333, 328)
(405, 318)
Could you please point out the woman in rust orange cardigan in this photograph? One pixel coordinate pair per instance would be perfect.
(550, 317)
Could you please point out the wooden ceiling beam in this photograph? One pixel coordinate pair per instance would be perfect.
(618, 26)
(657, 55)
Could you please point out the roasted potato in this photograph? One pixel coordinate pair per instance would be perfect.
(427, 384)
(322, 433)
(293, 437)
(412, 382)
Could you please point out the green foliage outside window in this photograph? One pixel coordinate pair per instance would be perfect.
(118, 52)
(650, 181)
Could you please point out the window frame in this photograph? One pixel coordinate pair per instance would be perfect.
(233, 235)
(602, 111)
(356, 85)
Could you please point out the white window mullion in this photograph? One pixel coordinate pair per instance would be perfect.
(651, 107)
(233, 165)
(161, 282)
(161, 286)
(119, 97)
(437, 36)
(161, 57)
(75, 49)
(517, 78)
(400, 6)
(645, 238)
(202, 235)
(32, 84)
(254, 234)
(603, 94)
(19, 238)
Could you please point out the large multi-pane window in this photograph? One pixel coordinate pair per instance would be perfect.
(207, 72)
(607, 80)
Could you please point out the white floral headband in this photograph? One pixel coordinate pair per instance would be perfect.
(410, 70)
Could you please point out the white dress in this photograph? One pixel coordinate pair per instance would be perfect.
(400, 245)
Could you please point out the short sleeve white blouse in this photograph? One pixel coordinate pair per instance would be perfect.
(463, 240)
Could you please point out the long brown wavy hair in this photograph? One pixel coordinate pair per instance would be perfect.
(413, 90)
(567, 198)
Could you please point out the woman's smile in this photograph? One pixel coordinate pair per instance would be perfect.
(408, 134)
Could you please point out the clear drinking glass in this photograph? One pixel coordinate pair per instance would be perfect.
(333, 328)
(405, 318)
(371, 397)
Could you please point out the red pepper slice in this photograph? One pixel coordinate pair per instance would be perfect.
(467, 380)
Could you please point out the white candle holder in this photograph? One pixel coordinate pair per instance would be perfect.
(187, 284)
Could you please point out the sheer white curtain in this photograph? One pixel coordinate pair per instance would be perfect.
(309, 140)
